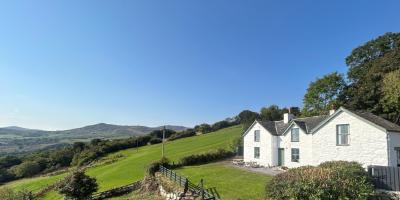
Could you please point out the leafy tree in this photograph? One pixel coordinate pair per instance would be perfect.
(391, 97)
(368, 66)
(159, 133)
(247, 117)
(272, 113)
(323, 93)
(203, 128)
(9, 161)
(220, 125)
(26, 169)
(78, 186)
(359, 59)
(5, 175)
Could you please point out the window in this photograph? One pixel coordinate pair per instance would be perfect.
(342, 135)
(295, 135)
(295, 155)
(397, 149)
(256, 135)
(256, 152)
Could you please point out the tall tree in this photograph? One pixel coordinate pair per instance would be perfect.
(323, 93)
(247, 117)
(359, 59)
(368, 65)
(272, 113)
(391, 95)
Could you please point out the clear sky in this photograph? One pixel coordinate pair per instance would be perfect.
(65, 64)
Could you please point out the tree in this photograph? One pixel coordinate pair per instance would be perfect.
(247, 117)
(368, 66)
(203, 128)
(26, 169)
(78, 186)
(323, 93)
(391, 97)
(359, 59)
(159, 133)
(272, 113)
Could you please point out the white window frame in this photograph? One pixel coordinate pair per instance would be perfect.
(298, 135)
(256, 156)
(339, 134)
(293, 155)
(257, 132)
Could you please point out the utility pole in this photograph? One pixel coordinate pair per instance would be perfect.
(163, 139)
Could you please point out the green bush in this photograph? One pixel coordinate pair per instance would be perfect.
(9, 194)
(155, 141)
(330, 180)
(206, 157)
(155, 166)
(78, 186)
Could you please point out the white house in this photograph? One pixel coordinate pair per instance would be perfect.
(342, 135)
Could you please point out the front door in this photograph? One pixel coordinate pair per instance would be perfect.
(281, 156)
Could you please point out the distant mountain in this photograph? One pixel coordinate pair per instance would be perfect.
(103, 129)
(17, 139)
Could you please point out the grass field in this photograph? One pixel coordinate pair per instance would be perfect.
(230, 183)
(133, 165)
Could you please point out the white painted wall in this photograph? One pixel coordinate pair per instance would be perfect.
(368, 144)
(304, 145)
(394, 141)
(265, 145)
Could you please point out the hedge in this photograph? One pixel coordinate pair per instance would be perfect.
(330, 180)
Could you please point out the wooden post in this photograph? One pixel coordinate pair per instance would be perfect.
(202, 189)
(186, 185)
(163, 138)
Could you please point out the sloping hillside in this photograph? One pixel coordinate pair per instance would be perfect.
(131, 164)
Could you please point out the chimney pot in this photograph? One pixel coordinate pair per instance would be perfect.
(287, 117)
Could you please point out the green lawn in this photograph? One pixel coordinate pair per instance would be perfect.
(132, 166)
(231, 183)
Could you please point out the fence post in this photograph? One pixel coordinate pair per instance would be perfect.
(186, 185)
(202, 189)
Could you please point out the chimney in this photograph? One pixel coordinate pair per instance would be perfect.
(332, 110)
(287, 117)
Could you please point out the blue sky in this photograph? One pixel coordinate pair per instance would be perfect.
(65, 64)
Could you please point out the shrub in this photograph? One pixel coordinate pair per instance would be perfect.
(155, 140)
(155, 166)
(331, 180)
(26, 169)
(206, 157)
(183, 134)
(9, 194)
(78, 186)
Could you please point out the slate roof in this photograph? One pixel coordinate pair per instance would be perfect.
(309, 123)
(389, 126)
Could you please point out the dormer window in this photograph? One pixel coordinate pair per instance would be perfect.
(256, 135)
(295, 135)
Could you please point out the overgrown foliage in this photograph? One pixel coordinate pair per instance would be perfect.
(330, 180)
(197, 159)
(155, 166)
(182, 134)
(9, 194)
(78, 186)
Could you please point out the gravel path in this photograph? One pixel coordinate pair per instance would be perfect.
(268, 171)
